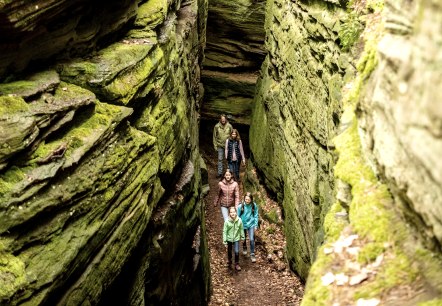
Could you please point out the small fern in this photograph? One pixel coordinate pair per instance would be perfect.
(350, 30)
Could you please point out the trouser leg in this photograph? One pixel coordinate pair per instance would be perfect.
(252, 239)
(220, 160)
(225, 212)
(229, 252)
(244, 243)
(236, 252)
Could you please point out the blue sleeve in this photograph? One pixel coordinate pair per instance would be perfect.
(256, 216)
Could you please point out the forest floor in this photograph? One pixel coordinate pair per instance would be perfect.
(268, 281)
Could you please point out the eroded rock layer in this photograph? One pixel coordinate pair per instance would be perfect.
(100, 178)
(233, 57)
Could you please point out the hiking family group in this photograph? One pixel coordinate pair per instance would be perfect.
(240, 218)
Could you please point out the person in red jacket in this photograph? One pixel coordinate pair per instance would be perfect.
(228, 194)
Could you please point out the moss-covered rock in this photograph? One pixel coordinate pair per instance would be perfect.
(386, 251)
(87, 187)
(296, 113)
(39, 33)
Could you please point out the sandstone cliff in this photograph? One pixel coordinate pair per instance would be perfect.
(345, 132)
(100, 178)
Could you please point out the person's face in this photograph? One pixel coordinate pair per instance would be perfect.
(223, 120)
(234, 135)
(247, 199)
(232, 212)
(228, 176)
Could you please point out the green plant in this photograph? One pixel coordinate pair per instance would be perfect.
(351, 29)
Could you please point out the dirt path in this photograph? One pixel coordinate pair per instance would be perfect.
(266, 282)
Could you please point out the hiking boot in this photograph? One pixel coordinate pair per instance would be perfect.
(229, 265)
(252, 257)
(244, 251)
(237, 267)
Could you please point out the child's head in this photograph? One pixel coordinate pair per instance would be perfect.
(248, 198)
(234, 134)
(232, 212)
(228, 175)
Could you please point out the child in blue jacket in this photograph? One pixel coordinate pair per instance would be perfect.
(248, 212)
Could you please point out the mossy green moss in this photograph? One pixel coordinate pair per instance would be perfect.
(371, 216)
(435, 302)
(32, 85)
(116, 72)
(333, 225)
(370, 252)
(10, 178)
(10, 105)
(126, 86)
(151, 13)
(315, 292)
(12, 275)
(272, 216)
(394, 271)
(97, 123)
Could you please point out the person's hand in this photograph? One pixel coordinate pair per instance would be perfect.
(244, 162)
(215, 204)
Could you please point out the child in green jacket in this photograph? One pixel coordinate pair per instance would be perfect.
(233, 232)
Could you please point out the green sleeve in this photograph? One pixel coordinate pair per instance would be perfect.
(215, 137)
(225, 232)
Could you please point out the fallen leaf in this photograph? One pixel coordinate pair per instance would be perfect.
(328, 279)
(353, 251)
(378, 261)
(341, 279)
(328, 251)
(358, 278)
(370, 302)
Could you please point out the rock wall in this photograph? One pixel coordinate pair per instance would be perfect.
(234, 54)
(352, 153)
(401, 114)
(296, 112)
(100, 178)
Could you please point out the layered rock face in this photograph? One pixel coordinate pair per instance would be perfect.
(296, 113)
(402, 115)
(352, 153)
(36, 31)
(233, 57)
(389, 179)
(100, 178)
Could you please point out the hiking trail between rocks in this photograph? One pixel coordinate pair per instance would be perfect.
(269, 281)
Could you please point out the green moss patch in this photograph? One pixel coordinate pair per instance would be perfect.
(12, 275)
(35, 84)
(11, 105)
(151, 13)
